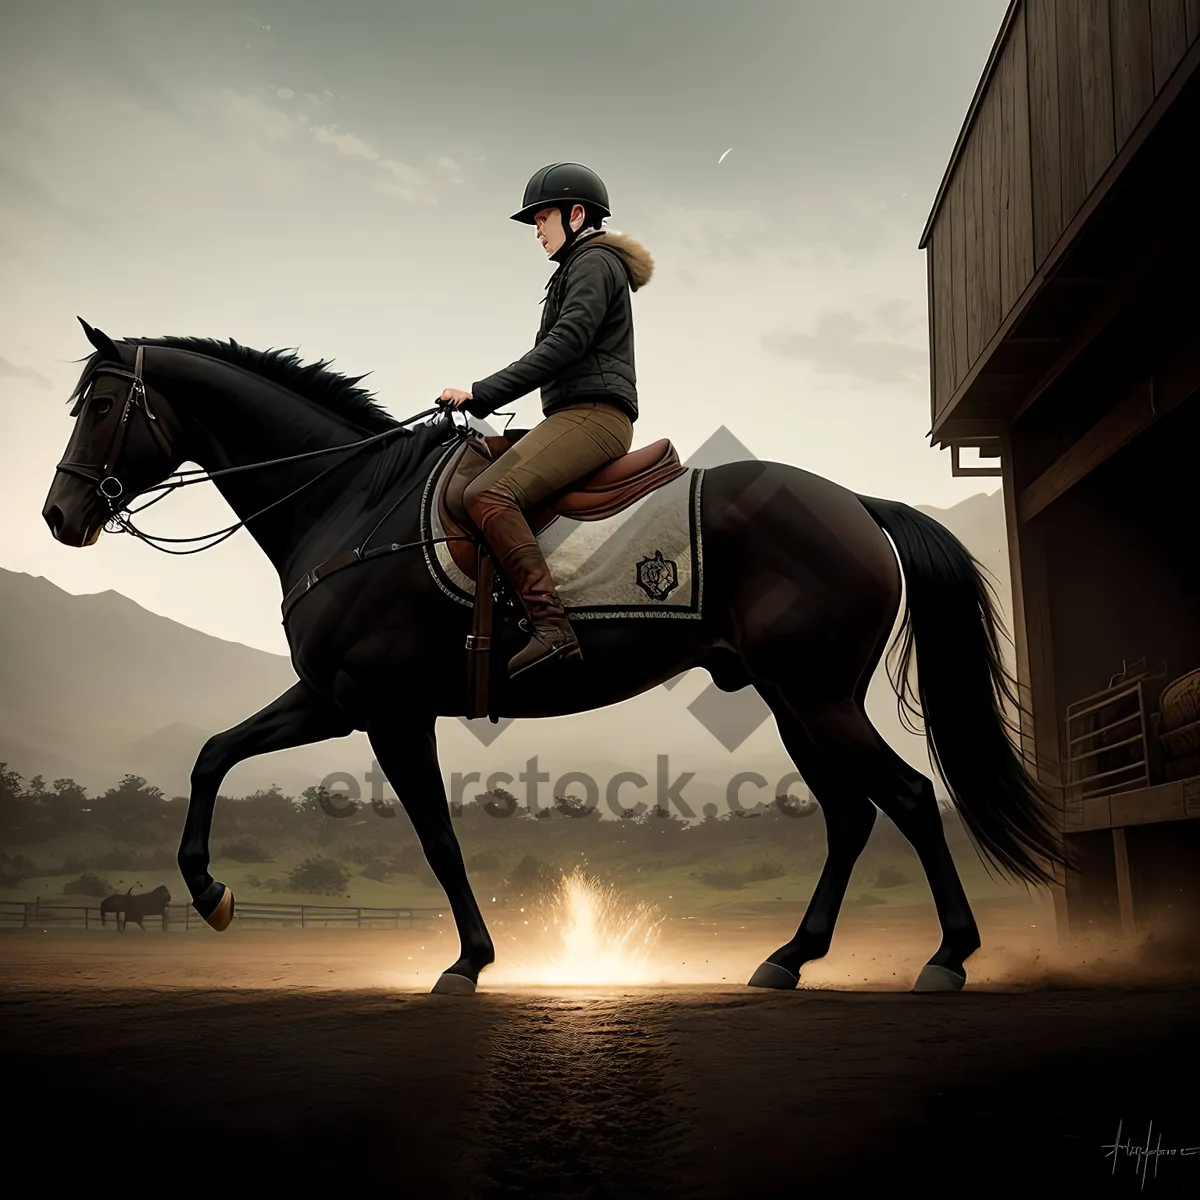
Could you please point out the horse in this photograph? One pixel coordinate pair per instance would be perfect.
(115, 904)
(129, 907)
(803, 583)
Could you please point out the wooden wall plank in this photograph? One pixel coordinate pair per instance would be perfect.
(1132, 64)
(1099, 137)
(1043, 127)
(1168, 31)
(989, 178)
(1003, 84)
(973, 224)
(1070, 106)
(942, 317)
(958, 275)
(1192, 16)
(1024, 260)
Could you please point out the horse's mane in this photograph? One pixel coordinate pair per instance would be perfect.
(338, 393)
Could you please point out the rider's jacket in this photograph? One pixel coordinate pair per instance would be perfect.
(584, 347)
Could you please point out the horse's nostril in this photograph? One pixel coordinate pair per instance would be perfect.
(54, 517)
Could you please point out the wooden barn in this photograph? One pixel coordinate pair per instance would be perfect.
(1063, 255)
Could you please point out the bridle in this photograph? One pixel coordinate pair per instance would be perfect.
(110, 487)
(107, 484)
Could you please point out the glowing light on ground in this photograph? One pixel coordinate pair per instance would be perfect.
(588, 935)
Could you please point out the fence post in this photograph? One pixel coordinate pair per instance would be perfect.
(302, 916)
(360, 918)
(87, 915)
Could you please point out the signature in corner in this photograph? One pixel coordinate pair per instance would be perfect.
(1145, 1154)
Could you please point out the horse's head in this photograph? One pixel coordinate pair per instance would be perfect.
(123, 443)
(161, 893)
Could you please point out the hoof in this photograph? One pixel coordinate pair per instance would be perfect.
(221, 916)
(772, 975)
(449, 984)
(938, 979)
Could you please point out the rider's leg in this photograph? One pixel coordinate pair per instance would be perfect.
(563, 448)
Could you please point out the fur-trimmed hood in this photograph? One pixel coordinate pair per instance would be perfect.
(637, 258)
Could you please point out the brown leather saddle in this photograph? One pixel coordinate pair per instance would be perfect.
(601, 494)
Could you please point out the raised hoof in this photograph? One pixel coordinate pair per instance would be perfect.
(222, 915)
(938, 979)
(772, 975)
(449, 984)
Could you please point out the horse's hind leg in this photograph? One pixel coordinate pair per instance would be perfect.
(907, 798)
(849, 819)
(299, 717)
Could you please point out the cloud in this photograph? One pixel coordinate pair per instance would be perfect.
(10, 370)
(715, 234)
(250, 115)
(846, 344)
(255, 118)
(348, 144)
(448, 164)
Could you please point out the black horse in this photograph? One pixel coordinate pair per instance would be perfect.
(128, 907)
(801, 591)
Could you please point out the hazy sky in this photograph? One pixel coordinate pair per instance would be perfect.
(338, 177)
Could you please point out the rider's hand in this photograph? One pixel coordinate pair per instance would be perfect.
(455, 396)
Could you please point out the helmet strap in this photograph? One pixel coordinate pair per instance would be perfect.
(571, 236)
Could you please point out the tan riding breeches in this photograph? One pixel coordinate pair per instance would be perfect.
(562, 449)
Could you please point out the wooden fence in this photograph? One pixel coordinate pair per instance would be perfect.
(36, 914)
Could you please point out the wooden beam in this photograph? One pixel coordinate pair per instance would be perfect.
(1099, 316)
(959, 471)
(1116, 429)
(1067, 238)
(1124, 886)
(1151, 400)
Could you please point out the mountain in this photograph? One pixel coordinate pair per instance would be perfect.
(95, 686)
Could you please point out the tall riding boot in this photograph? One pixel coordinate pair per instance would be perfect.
(523, 565)
(551, 634)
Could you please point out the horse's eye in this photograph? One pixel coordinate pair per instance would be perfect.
(103, 406)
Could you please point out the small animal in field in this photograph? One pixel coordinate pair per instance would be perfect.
(129, 907)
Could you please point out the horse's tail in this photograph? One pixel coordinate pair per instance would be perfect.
(952, 622)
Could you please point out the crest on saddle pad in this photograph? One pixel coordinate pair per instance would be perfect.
(658, 577)
(644, 561)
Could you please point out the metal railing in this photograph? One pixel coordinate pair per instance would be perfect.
(31, 914)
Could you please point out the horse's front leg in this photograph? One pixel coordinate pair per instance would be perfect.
(407, 752)
(299, 717)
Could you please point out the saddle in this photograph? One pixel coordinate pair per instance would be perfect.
(601, 494)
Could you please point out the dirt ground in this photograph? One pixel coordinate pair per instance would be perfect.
(318, 1058)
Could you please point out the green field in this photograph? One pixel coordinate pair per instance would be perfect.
(709, 885)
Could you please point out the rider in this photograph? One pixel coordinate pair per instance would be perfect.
(582, 361)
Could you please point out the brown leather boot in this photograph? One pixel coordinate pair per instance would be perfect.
(552, 638)
(514, 546)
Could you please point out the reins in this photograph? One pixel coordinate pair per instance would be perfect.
(112, 489)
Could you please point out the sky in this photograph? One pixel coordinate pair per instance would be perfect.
(337, 177)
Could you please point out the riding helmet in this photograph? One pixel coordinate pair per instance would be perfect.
(559, 184)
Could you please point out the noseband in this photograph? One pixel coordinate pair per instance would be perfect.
(104, 477)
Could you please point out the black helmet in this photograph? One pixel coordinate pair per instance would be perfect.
(562, 183)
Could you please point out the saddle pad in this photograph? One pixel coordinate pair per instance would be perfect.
(645, 561)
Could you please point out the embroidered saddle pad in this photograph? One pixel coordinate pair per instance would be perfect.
(645, 560)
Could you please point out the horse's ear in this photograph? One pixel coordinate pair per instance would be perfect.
(101, 341)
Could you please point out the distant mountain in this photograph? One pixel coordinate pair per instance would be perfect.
(95, 686)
